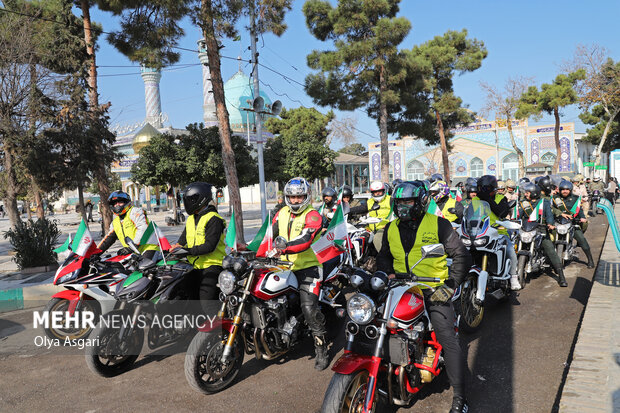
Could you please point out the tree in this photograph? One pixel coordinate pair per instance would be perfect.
(599, 91)
(301, 135)
(342, 129)
(365, 66)
(602, 127)
(504, 105)
(438, 60)
(550, 98)
(354, 149)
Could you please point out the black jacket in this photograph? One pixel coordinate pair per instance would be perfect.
(213, 232)
(461, 259)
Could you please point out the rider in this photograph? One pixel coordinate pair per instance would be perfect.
(378, 206)
(299, 223)
(487, 187)
(440, 192)
(580, 189)
(329, 205)
(596, 185)
(511, 194)
(401, 245)
(203, 237)
(129, 221)
(563, 203)
(347, 195)
(500, 193)
(532, 194)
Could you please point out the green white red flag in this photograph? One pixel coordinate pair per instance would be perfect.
(576, 207)
(335, 239)
(433, 208)
(537, 212)
(153, 236)
(263, 241)
(83, 244)
(64, 247)
(231, 233)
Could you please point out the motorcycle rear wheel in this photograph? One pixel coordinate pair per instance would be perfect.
(521, 273)
(62, 305)
(471, 313)
(346, 393)
(204, 370)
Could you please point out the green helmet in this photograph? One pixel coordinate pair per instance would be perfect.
(407, 191)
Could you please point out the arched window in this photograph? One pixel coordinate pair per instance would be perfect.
(510, 167)
(477, 167)
(548, 158)
(415, 170)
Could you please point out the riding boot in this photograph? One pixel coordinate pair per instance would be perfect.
(561, 279)
(321, 361)
(459, 405)
(590, 259)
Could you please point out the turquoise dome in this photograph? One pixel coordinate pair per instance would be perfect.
(238, 90)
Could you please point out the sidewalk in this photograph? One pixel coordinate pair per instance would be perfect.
(593, 381)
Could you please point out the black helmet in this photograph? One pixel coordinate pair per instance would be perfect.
(197, 196)
(471, 185)
(435, 177)
(406, 191)
(545, 184)
(533, 189)
(523, 181)
(565, 185)
(486, 184)
(347, 191)
(117, 196)
(396, 182)
(329, 191)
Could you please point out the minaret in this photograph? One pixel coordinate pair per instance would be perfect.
(151, 79)
(208, 105)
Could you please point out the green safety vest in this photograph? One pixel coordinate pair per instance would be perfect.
(304, 259)
(195, 235)
(385, 208)
(450, 203)
(128, 229)
(427, 234)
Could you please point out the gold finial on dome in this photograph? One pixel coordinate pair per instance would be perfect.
(143, 137)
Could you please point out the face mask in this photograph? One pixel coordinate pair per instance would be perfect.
(404, 211)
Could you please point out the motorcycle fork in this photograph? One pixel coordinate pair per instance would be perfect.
(376, 358)
(134, 318)
(74, 305)
(237, 320)
(483, 279)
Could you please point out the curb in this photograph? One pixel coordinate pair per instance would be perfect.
(27, 297)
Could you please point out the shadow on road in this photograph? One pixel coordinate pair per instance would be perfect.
(8, 328)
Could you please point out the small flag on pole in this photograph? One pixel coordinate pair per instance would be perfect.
(537, 212)
(331, 244)
(433, 208)
(576, 207)
(153, 236)
(83, 243)
(264, 236)
(231, 233)
(64, 247)
(459, 195)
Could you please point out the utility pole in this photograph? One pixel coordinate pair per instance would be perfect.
(258, 119)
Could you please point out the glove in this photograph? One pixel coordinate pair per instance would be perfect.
(124, 251)
(441, 295)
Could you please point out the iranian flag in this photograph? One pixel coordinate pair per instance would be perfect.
(64, 247)
(515, 211)
(263, 241)
(576, 207)
(153, 236)
(83, 243)
(231, 233)
(433, 208)
(458, 196)
(331, 244)
(537, 212)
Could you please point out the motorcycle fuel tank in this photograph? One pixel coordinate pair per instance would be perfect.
(273, 282)
(407, 304)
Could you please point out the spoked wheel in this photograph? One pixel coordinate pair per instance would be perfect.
(521, 273)
(112, 355)
(346, 393)
(471, 312)
(204, 369)
(61, 305)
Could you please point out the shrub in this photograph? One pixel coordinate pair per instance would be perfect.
(33, 242)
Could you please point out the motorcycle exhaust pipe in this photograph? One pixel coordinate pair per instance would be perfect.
(483, 278)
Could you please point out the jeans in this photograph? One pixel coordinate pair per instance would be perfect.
(512, 255)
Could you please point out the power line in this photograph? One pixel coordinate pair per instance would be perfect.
(287, 78)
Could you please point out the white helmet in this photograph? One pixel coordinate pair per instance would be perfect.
(597, 178)
(376, 186)
(297, 187)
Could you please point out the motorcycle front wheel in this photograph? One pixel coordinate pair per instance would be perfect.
(112, 355)
(204, 369)
(560, 251)
(471, 313)
(61, 305)
(346, 393)
(521, 273)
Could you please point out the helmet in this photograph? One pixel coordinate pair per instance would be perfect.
(297, 187)
(410, 190)
(596, 178)
(533, 189)
(347, 192)
(197, 196)
(396, 182)
(556, 180)
(545, 184)
(439, 189)
(388, 189)
(471, 185)
(510, 183)
(501, 185)
(565, 185)
(523, 181)
(119, 196)
(329, 191)
(378, 186)
(486, 184)
(435, 177)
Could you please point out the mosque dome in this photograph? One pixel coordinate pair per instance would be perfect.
(143, 137)
(239, 92)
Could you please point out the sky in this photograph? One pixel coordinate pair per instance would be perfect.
(523, 38)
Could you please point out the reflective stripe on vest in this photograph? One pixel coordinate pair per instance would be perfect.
(450, 203)
(427, 234)
(304, 259)
(385, 207)
(128, 229)
(195, 236)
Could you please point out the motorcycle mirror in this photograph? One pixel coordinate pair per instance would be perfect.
(180, 253)
(433, 251)
(280, 242)
(131, 245)
(452, 210)
(375, 207)
(509, 224)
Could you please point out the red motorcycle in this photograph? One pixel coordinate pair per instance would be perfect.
(390, 353)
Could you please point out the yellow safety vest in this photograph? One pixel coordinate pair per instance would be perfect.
(450, 203)
(304, 259)
(195, 235)
(383, 212)
(427, 234)
(499, 197)
(493, 218)
(128, 229)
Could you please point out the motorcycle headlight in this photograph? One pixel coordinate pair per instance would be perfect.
(527, 236)
(563, 228)
(68, 277)
(226, 282)
(481, 242)
(466, 241)
(361, 309)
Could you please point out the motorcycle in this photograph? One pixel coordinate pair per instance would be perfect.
(491, 265)
(564, 245)
(88, 281)
(530, 255)
(260, 315)
(391, 350)
(595, 198)
(361, 239)
(153, 290)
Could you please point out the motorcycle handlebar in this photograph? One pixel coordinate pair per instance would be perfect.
(276, 261)
(413, 277)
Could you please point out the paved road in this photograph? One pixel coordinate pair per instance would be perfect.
(517, 362)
